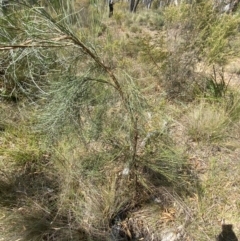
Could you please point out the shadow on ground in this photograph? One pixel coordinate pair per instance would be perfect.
(29, 194)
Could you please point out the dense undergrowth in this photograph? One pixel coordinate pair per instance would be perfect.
(122, 128)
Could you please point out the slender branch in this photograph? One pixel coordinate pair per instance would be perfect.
(40, 44)
(31, 46)
(135, 139)
(87, 51)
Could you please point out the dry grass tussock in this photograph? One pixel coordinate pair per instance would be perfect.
(207, 122)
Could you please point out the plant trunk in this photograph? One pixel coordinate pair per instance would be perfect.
(133, 5)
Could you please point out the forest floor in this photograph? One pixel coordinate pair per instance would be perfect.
(31, 181)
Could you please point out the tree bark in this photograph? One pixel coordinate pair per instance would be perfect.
(133, 5)
(110, 8)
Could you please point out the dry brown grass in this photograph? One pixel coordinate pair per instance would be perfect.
(219, 196)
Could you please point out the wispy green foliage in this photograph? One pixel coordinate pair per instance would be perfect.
(72, 99)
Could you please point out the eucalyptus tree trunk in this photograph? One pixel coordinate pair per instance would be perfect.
(148, 3)
(133, 5)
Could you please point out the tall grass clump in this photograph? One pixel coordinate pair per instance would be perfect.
(234, 108)
(208, 122)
